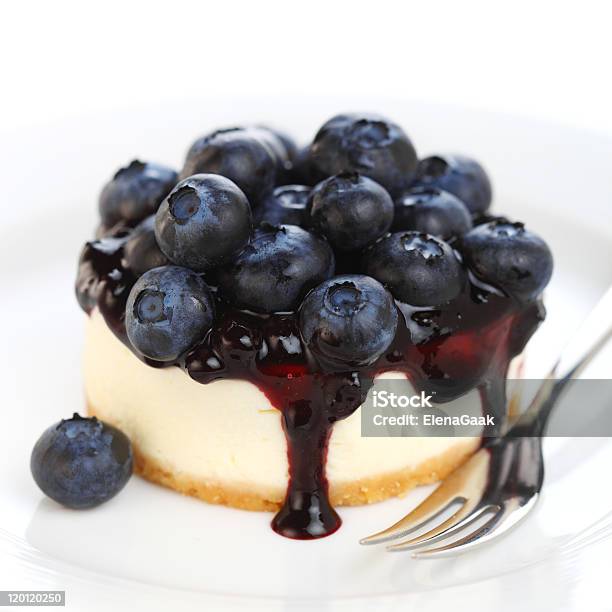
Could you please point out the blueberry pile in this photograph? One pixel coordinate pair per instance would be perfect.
(338, 232)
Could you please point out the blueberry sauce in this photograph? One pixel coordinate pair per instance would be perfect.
(467, 344)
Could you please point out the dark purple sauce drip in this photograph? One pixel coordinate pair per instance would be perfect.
(466, 344)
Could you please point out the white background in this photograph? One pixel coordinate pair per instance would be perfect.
(545, 59)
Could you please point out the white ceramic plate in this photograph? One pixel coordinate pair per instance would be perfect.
(149, 548)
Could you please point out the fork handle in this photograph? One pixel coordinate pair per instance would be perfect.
(592, 335)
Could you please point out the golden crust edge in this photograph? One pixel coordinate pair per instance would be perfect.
(354, 493)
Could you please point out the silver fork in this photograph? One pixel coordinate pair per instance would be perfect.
(502, 481)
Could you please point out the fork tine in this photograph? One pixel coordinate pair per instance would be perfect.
(428, 509)
(480, 536)
(464, 516)
(460, 485)
(502, 521)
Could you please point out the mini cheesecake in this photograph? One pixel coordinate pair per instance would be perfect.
(237, 356)
(224, 441)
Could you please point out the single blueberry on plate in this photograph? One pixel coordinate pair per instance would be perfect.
(460, 175)
(140, 251)
(279, 266)
(204, 222)
(239, 154)
(348, 321)
(351, 210)
(134, 193)
(417, 268)
(286, 205)
(509, 257)
(81, 462)
(365, 143)
(431, 211)
(169, 310)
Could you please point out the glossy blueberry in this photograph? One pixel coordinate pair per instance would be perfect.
(288, 142)
(348, 321)
(283, 146)
(286, 205)
(81, 463)
(369, 144)
(204, 222)
(141, 252)
(302, 170)
(351, 210)
(168, 311)
(134, 193)
(509, 257)
(239, 154)
(279, 266)
(459, 175)
(417, 268)
(431, 211)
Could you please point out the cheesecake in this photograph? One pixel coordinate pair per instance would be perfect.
(224, 442)
(242, 311)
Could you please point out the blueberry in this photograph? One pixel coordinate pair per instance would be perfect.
(287, 141)
(99, 268)
(286, 205)
(369, 144)
(461, 176)
(348, 321)
(417, 268)
(509, 257)
(351, 210)
(284, 148)
(204, 222)
(81, 463)
(275, 271)
(169, 310)
(302, 170)
(134, 193)
(239, 154)
(140, 252)
(431, 211)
